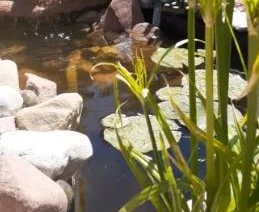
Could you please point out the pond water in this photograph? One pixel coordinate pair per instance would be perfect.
(65, 54)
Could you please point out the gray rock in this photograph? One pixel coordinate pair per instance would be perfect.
(29, 98)
(7, 124)
(68, 191)
(9, 74)
(58, 154)
(23, 188)
(43, 88)
(60, 113)
(10, 101)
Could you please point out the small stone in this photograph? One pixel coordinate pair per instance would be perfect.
(29, 98)
(43, 88)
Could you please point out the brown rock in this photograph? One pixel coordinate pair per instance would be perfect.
(23, 188)
(121, 16)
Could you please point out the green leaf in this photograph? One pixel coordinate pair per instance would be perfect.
(145, 195)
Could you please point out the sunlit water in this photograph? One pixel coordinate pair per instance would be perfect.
(65, 54)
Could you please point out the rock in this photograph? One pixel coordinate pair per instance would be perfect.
(23, 188)
(10, 101)
(121, 16)
(23, 8)
(43, 88)
(145, 32)
(58, 154)
(90, 17)
(62, 112)
(134, 131)
(7, 124)
(68, 191)
(29, 98)
(9, 74)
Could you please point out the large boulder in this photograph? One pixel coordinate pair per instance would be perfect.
(10, 101)
(9, 73)
(62, 112)
(43, 88)
(121, 15)
(24, 8)
(23, 188)
(58, 154)
(7, 124)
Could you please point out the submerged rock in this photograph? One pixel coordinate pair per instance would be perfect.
(58, 154)
(10, 101)
(134, 131)
(24, 188)
(62, 112)
(9, 74)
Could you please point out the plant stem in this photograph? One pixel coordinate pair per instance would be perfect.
(157, 158)
(251, 127)
(223, 49)
(192, 84)
(210, 161)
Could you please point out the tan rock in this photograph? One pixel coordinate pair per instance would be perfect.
(62, 112)
(23, 188)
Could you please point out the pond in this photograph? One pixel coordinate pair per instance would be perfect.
(65, 53)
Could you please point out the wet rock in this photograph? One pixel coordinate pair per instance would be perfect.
(90, 16)
(7, 124)
(62, 112)
(147, 4)
(29, 98)
(121, 16)
(10, 101)
(39, 8)
(58, 154)
(146, 33)
(68, 191)
(43, 88)
(9, 74)
(134, 131)
(24, 188)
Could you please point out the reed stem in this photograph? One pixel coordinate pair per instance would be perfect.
(210, 160)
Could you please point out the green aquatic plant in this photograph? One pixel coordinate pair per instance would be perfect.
(231, 181)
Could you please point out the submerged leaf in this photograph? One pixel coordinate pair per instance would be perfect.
(236, 83)
(134, 131)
